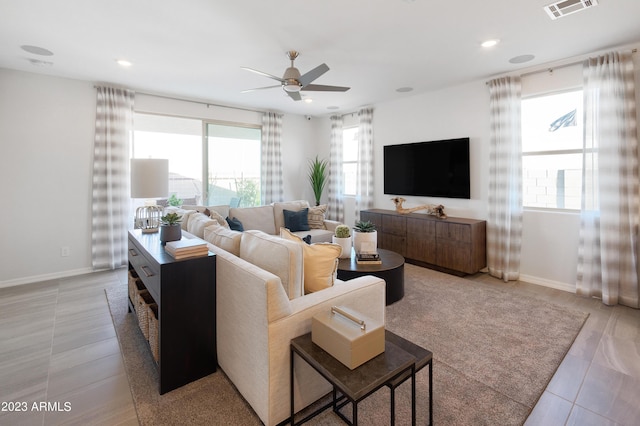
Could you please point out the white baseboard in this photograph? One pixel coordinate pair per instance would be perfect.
(45, 277)
(548, 283)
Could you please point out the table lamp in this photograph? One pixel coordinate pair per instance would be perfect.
(149, 179)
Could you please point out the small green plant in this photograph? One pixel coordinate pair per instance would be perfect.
(342, 231)
(365, 226)
(174, 201)
(318, 177)
(171, 219)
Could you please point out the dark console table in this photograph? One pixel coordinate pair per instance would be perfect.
(185, 292)
(456, 245)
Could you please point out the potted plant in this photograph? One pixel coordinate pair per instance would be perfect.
(318, 177)
(174, 201)
(170, 229)
(342, 237)
(365, 234)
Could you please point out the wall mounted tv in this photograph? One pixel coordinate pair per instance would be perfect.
(434, 169)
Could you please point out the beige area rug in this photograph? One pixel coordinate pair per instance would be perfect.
(494, 353)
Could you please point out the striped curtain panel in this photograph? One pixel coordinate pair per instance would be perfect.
(111, 198)
(335, 205)
(364, 188)
(607, 254)
(504, 227)
(271, 188)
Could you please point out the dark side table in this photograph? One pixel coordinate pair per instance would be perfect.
(399, 362)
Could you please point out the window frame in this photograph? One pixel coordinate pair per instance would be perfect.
(539, 153)
(350, 162)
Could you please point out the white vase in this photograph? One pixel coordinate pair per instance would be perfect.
(345, 243)
(370, 238)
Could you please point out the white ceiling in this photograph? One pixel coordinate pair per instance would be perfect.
(194, 48)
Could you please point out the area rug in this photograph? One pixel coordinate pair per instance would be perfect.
(494, 354)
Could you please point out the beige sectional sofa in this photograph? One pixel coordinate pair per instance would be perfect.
(261, 305)
(270, 218)
(259, 312)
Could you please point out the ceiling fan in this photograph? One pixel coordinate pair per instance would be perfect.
(292, 82)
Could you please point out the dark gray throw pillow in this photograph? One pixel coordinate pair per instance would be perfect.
(296, 221)
(235, 224)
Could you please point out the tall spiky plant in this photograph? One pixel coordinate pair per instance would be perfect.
(318, 177)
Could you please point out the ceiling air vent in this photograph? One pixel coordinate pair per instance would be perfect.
(567, 7)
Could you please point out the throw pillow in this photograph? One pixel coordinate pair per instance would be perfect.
(316, 217)
(320, 262)
(296, 220)
(218, 218)
(235, 224)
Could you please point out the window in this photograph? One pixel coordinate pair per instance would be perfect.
(225, 156)
(349, 160)
(552, 150)
(180, 141)
(234, 165)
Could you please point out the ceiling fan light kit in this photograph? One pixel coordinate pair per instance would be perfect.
(292, 82)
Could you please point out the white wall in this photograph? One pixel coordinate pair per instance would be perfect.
(550, 239)
(46, 135)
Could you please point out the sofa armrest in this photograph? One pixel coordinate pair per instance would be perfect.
(331, 224)
(364, 294)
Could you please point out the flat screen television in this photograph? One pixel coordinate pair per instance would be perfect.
(433, 169)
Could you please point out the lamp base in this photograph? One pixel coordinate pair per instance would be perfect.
(148, 219)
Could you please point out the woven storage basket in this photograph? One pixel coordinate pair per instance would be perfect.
(153, 330)
(143, 299)
(135, 287)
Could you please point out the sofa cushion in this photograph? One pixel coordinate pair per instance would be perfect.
(197, 223)
(277, 255)
(278, 211)
(257, 218)
(185, 213)
(320, 262)
(217, 217)
(234, 224)
(296, 220)
(316, 217)
(223, 209)
(226, 239)
(317, 235)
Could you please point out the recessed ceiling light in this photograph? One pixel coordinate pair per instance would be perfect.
(308, 100)
(123, 62)
(36, 50)
(404, 89)
(521, 59)
(490, 43)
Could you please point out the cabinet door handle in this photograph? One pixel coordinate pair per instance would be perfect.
(147, 272)
(132, 252)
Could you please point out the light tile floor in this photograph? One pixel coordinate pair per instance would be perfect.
(60, 361)
(58, 346)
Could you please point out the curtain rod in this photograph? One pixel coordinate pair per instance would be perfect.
(560, 65)
(208, 104)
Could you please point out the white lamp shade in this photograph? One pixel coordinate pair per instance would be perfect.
(149, 178)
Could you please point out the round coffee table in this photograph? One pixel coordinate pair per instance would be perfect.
(391, 270)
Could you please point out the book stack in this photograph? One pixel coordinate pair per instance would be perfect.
(368, 259)
(185, 248)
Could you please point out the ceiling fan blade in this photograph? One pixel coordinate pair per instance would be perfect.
(262, 73)
(294, 95)
(260, 88)
(308, 77)
(324, 88)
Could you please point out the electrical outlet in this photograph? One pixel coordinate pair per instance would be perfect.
(64, 251)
